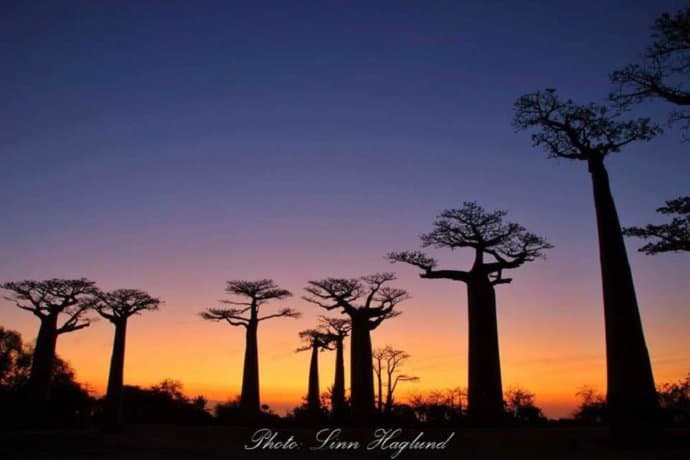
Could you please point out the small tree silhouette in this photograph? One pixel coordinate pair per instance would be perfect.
(590, 133)
(338, 329)
(388, 361)
(314, 340)
(368, 302)
(671, 237)
(521, 407)
(117, 307)
(664, 72)
(507, 245)
(48, 300)
(254, 295)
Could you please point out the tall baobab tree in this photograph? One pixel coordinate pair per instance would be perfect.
(663, 73)
(338, 329)
(48, 300)
(388, 361)
(367, 302)
(245, 312)
(497, 246)
(117, 307)
(315, 341)
(590, 133)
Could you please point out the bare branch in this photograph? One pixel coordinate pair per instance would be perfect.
(581, 132)
(664, 70)
(285, 312)
(316, 338)
(120, 304)
(231, 316)
(54, 297)
(670, 237)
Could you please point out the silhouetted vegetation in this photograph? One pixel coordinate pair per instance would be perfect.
(592, 409)
(387, 362)
(49, 301)
(230, 413)
(508, 246)
(439, 408)
(70, 404)
(338, 329)
(671, 237)
(368, 302)
(521, 407)
(117, 307)
(664, 72)
(674, 399)
(314, 341)
(245, 312)
(590, 133)
(164, 403)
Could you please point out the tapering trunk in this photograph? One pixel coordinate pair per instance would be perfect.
(249, 399)
(338, 396)
(389, 396)
(113, 398)
(379, 387)
(485, 392)
(313, 401)
(631, 395)
(361, 372)
(43, 359)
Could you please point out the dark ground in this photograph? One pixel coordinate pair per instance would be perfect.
(152, 442)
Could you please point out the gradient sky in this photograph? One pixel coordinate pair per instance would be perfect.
(171, 146)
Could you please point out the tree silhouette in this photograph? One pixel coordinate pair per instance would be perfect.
(338, 329)
(590, 133)
(245, 313)
(15, 361)
(117, 307)
(665, 69)
(674, 236)
(521, 407)
(368, 302)
(507, 246)
(47, 300)
(314, 340)
(388, 361)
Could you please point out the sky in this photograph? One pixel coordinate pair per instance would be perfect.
(171, 146)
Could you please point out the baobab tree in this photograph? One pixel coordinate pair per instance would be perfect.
(387, 363)
(497, 246)
(590, 133)
(367, 302)
(117, 307)
(670, 237)
(338, 329)
(315, 341)
(246, 313)
(664, 72)
(49, 300)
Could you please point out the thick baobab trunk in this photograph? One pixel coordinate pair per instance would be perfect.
(113, 398)
(249, 400)
(313, 401)
(43, 360)
(361, 371)
(485, 392)
(338, 396)
(631, 396)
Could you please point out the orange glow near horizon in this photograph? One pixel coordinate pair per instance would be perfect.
(552, 356)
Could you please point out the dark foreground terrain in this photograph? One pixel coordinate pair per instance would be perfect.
(151, 442)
